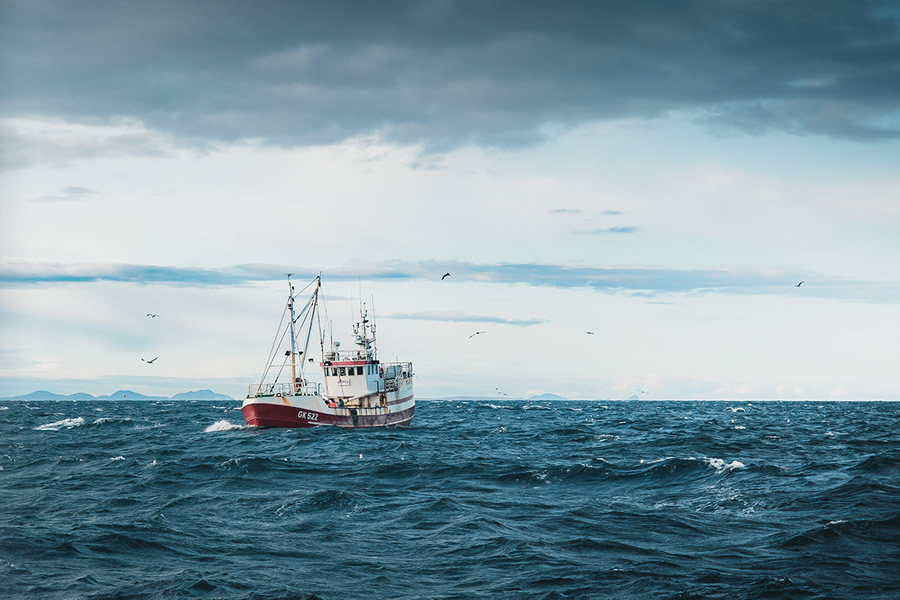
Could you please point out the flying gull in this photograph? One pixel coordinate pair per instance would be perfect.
(445, 276)
(152, 315)
(798, 284)
(150, 362)
(476, 333)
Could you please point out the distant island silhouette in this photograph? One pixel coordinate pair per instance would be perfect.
(547, 397)
(122, 395)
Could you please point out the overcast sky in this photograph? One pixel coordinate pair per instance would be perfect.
(659, 173)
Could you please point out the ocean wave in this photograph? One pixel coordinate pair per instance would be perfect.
(64, 424)
(847, 531)
(223, 425)
(878, 463)
(579, 472)
(107, 420)
(323, 500)
(721, 466)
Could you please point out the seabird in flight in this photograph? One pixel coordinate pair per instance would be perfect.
(798, 284)
(445, 276)
(589, 332)
(152, 315)
(476, 333)
(150, 362)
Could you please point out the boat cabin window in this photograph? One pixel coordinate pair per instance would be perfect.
(334, 371)
(343, 371)
(359, 370)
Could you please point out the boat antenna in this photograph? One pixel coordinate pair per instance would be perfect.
(374, 337)
(293, 337)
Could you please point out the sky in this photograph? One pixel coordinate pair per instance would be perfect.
(661, 174)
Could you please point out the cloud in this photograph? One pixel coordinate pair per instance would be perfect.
(459, 317)
(613, 212)
(67, 194)
(561, 211)
(628, 229)
(443, 75)
(28, 141)
(637, 281)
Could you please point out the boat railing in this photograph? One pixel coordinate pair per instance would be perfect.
(308, 388)
(340, 355)
(397, 370)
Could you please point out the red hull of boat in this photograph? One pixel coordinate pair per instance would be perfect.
(280, 415)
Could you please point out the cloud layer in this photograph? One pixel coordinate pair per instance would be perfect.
(460, 317)
(446, 73)
(639, 281)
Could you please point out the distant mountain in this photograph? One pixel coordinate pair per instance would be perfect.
(129, 395)
(547, 397)
(122, 395)
(634, 397)
(201, 395)
(468, 398)
(39, 395)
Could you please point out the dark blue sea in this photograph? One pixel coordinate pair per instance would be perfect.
(477, 499)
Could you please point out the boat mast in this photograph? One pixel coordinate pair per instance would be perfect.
(313, 313)
(293, 339)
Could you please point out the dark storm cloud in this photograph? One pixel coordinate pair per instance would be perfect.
(445, 73)
(644, 282)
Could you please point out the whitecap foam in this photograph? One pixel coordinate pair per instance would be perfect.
(223, 425)
(737, 409)
(65, 423)
(719, 465)
(103, 420)
(117, 458)
(739, 427)
(4, 408)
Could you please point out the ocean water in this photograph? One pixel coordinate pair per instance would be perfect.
(478, 499)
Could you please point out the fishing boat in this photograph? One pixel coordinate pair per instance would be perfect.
(357, 390)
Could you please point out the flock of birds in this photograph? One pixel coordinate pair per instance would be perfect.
(443, 277)
(499, 391)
